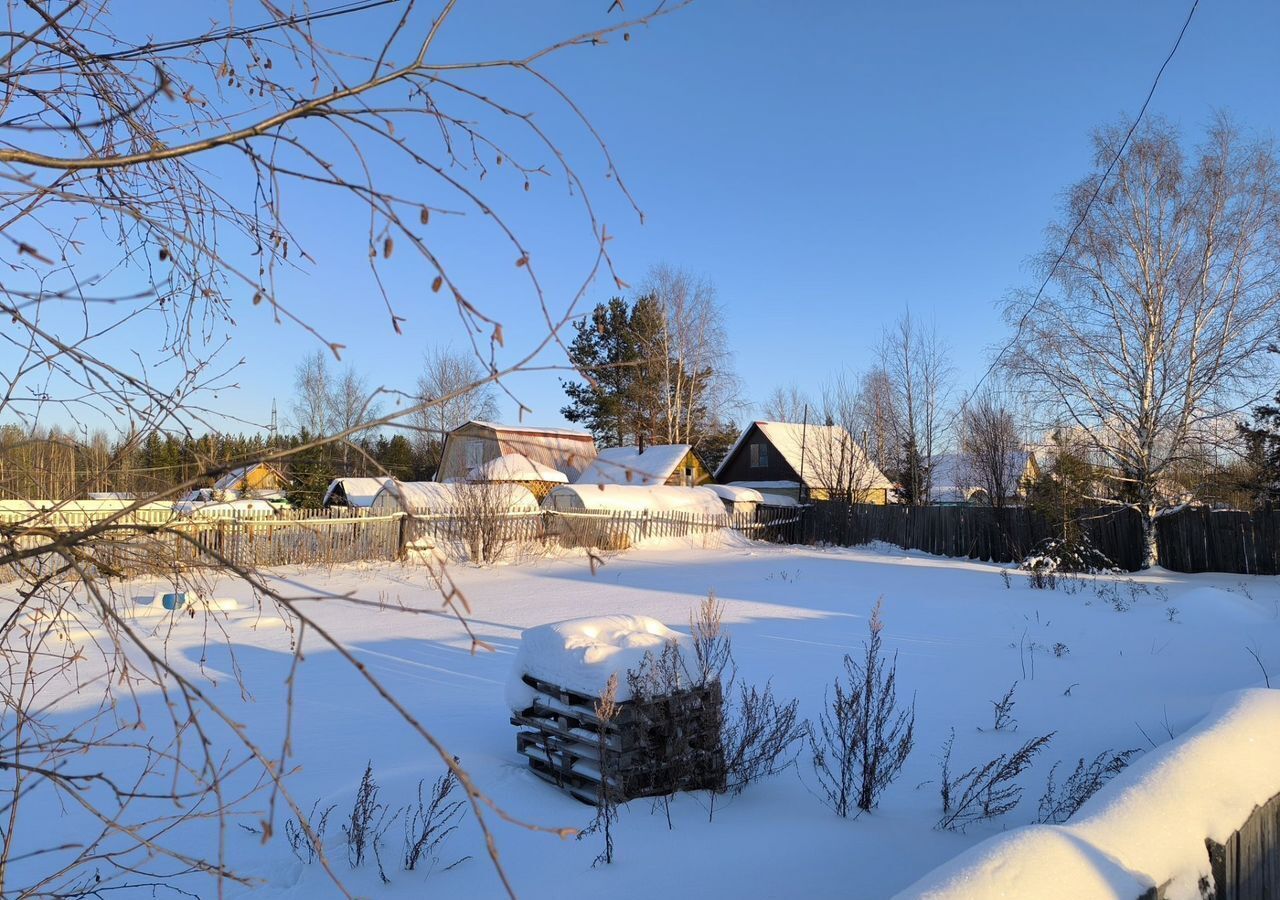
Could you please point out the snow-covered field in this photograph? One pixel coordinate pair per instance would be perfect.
(1136, 660)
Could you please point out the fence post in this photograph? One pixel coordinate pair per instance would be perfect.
(402, 537)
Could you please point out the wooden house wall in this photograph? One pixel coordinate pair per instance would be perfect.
(738, 467)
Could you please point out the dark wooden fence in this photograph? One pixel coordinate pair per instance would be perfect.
(1247, 866)
(993, 535)
(1204, 540)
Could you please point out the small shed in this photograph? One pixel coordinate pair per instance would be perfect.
(476, 443)
(516, 468)
(673, 464)
(737, 500)
(431, 497)
(355, 493)
(634, 498)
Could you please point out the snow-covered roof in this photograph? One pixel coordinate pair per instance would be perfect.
(224, 509)
(535, 429)
(736, 493)
(433, 496)
(581, 654)
(655, 498)
(228, 481)
(516, 467)
(232, 478)
(811, 449)
(631, 465)
(111, 495)
(778, 500)
(358, 491)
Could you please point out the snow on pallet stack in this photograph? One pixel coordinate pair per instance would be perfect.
(657, 743)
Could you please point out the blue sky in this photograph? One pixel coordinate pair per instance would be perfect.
(825, 164)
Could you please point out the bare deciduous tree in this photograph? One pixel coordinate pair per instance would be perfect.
(692, 355)
(787, 404)
(992, 453)
(452, 390)
(310, 409)
(876, 418)
(916, 366)
(1164, 300)
(835, 461)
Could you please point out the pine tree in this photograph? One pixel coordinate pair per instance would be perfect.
(615, 349)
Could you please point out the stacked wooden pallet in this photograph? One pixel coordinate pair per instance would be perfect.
(652, 746)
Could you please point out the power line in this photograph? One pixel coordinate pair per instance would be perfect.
(1022, 321)
(222, 34)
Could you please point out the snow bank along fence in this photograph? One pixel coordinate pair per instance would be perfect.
(1198, 816)
(651, 747)
(975, 532)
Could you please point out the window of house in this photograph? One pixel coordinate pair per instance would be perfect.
(759, 456)
(473, 454)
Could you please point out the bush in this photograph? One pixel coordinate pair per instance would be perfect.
(430, 824)
(1060, 803)
(862, 739)
(986, 791)
(1053, 557)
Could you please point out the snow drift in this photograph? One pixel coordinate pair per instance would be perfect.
(1145, 828)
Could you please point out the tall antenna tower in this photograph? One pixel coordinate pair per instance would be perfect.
(274, 428)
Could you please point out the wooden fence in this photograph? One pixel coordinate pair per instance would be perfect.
(130, 548)
(328, 537)
(973, 532)
(1247, 866)
(1191, 540)
(1204, 540)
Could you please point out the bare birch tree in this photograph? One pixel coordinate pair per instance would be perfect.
(452, 391)
(916, 369)
(692, 354)
(310, 410)
(158, 193)
(875, 418)
(787, 404)
(1162, 304)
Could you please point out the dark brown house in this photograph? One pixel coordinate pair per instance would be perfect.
(807, 462)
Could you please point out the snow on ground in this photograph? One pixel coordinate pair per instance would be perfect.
(1116, 680)
(1154, 820)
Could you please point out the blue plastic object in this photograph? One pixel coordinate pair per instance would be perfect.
(173, 601)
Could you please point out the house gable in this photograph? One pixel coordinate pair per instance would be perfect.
(755, 458)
